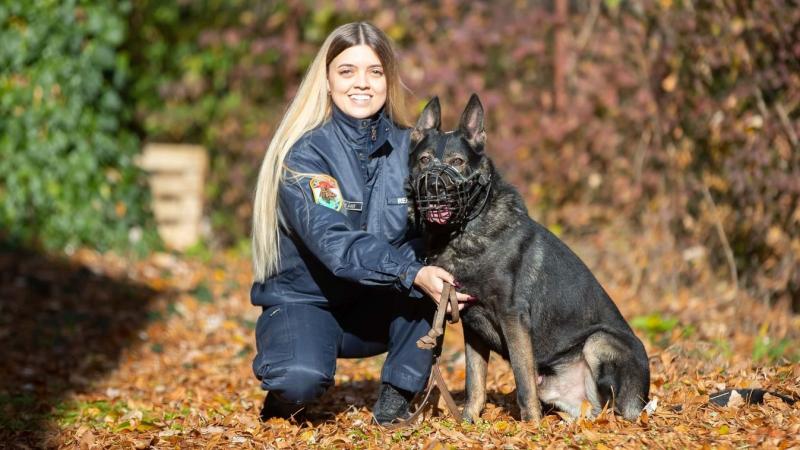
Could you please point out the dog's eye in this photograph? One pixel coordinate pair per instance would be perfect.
(456, 162)
(424, 159)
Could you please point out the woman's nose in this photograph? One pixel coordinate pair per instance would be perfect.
(362, 81)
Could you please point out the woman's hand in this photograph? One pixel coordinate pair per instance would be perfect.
(431, 279)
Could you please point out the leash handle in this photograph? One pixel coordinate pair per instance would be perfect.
(454, 316)
(430, 340)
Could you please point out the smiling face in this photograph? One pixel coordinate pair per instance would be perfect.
(357, 82)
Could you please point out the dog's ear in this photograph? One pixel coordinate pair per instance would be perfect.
(471, 123)
(430, 119)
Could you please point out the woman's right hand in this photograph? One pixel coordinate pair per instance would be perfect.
(431, 279)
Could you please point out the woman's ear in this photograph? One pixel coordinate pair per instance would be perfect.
(471, 123)
(430, 119)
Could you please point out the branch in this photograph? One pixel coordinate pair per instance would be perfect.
(723, 238)
(587, 28)
(787, 125)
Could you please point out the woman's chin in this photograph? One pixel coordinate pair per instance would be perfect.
(360, 111)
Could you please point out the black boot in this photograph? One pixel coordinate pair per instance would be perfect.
(392, 404)
(275, 407)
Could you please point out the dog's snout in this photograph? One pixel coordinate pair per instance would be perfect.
(437, 185)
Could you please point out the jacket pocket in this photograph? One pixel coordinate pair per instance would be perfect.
(395, 217)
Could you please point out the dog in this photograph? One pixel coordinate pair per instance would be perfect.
(538, 305)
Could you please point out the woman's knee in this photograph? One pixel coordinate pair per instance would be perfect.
(298, 383)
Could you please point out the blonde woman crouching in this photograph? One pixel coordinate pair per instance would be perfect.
(336, 270)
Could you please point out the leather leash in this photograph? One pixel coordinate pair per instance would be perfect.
(434, 340)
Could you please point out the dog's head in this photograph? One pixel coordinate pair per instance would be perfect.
(449, 173)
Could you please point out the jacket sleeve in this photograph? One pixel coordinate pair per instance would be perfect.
(348, 253)
(414, 249)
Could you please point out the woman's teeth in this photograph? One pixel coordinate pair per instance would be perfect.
(360, 98)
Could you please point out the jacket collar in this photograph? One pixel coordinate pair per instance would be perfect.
(370, 132)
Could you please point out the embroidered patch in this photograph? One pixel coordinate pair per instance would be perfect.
(326, 192)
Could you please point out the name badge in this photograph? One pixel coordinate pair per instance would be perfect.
(353, 206)
(397, 201)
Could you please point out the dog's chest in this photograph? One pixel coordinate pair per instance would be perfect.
(447, 259)
(460, 256)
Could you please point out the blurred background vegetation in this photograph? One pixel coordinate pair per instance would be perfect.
(676, 116)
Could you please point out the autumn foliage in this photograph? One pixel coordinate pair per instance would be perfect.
(659, 139)
(675, 115)
(103, 352)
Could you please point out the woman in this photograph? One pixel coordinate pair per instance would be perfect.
(336, 271)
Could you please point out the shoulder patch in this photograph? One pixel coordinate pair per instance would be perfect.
(326, 191)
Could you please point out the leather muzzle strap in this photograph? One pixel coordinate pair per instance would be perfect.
(434, 340)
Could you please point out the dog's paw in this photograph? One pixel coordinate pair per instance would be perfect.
(469, 417)
(532, 415)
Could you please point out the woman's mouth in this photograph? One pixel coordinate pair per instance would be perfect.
(360, 99)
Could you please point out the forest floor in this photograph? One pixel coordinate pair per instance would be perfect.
(103, 352)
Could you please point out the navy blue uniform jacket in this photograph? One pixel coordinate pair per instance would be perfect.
(338, 245)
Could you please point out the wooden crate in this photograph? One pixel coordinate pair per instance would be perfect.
(176, 175)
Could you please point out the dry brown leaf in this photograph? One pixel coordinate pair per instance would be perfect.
(142, 443)
(434, 444)
(776, 402)
(198, 391)
(735, 400)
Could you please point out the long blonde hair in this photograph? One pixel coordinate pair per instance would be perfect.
(310, 108)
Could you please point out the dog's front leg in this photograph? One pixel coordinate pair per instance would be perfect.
(523, 363)
(477, 355)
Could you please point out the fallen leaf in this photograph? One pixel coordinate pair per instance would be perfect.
(434, 444)
(501, 426)
(735, 400)
(140, 444)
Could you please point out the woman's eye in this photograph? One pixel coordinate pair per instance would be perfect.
(345, 72)
(424, 159)
(456, 162)
(377, 73)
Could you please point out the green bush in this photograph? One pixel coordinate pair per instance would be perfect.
(67, 173)
(219, 73)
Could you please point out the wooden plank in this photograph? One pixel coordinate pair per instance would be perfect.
(174, 157)
(176, 175)
(175, 185)
(174, 209)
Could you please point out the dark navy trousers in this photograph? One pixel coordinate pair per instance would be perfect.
(298, 344)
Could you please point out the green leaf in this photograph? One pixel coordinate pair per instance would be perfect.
(203, 293)
(654, 323)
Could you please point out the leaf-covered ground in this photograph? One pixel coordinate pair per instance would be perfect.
(101, 352)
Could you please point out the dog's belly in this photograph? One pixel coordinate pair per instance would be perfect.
(567, 386)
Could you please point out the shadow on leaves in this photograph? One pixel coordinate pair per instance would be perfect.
(62, 327)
